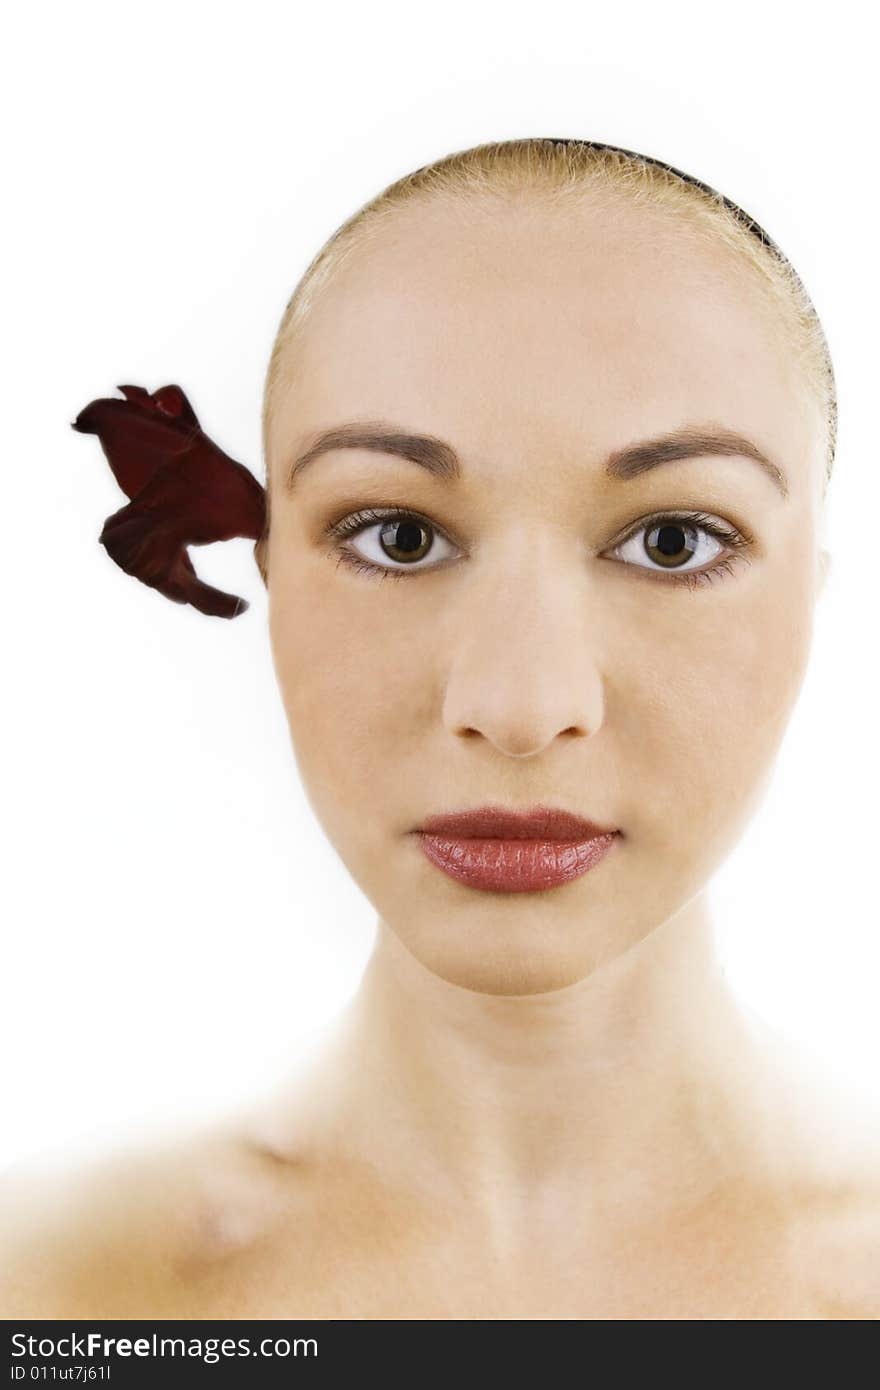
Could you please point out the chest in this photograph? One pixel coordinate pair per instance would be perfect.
(460, 1279)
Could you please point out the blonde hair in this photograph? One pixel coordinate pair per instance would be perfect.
(561, 171)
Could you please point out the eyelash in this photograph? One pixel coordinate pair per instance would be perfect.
(737, 541)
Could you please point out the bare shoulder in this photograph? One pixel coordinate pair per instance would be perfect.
(836, 1245)
(118, 1235)
(836, 1241)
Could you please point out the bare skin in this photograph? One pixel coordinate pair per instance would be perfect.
(538, 1105)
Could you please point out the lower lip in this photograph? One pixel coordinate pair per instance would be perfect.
(515, 866)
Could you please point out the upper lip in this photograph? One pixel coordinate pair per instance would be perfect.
(499, 823)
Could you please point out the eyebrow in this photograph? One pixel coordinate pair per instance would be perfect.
(440, 459)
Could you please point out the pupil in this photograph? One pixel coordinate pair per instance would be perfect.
(669, 540)
(411, 536)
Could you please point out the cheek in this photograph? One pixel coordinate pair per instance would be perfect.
(716, 696)
(350, 683)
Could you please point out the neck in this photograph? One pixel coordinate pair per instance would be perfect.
(641, 1078)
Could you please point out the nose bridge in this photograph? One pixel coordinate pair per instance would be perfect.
(524, 664)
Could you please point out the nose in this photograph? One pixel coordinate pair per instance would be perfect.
(525, 668)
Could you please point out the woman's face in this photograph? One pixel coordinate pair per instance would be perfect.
(535, 648)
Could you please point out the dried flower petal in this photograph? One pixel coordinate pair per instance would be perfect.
(184, 491)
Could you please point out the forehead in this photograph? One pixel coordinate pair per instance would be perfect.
(518, 326)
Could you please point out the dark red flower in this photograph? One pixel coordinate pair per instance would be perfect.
(184, 491)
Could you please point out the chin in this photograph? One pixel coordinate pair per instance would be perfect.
(510, 947)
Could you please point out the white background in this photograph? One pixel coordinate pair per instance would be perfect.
(174, 922)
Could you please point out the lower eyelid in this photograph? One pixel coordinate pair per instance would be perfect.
(691, 579)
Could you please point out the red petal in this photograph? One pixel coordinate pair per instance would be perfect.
(184, 490)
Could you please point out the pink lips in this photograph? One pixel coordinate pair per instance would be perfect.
(498, 850)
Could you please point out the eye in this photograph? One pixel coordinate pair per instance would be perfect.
(683, 547)
(689, 547)
(393, 541)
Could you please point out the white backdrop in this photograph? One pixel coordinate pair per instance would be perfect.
(174, 922)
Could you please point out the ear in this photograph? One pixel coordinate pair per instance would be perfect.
(261, 555)
(824, 568)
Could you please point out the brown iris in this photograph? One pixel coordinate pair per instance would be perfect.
(669, 545)
(408, 542)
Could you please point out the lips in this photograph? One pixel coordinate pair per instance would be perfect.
(497, 850)
(496, 822)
